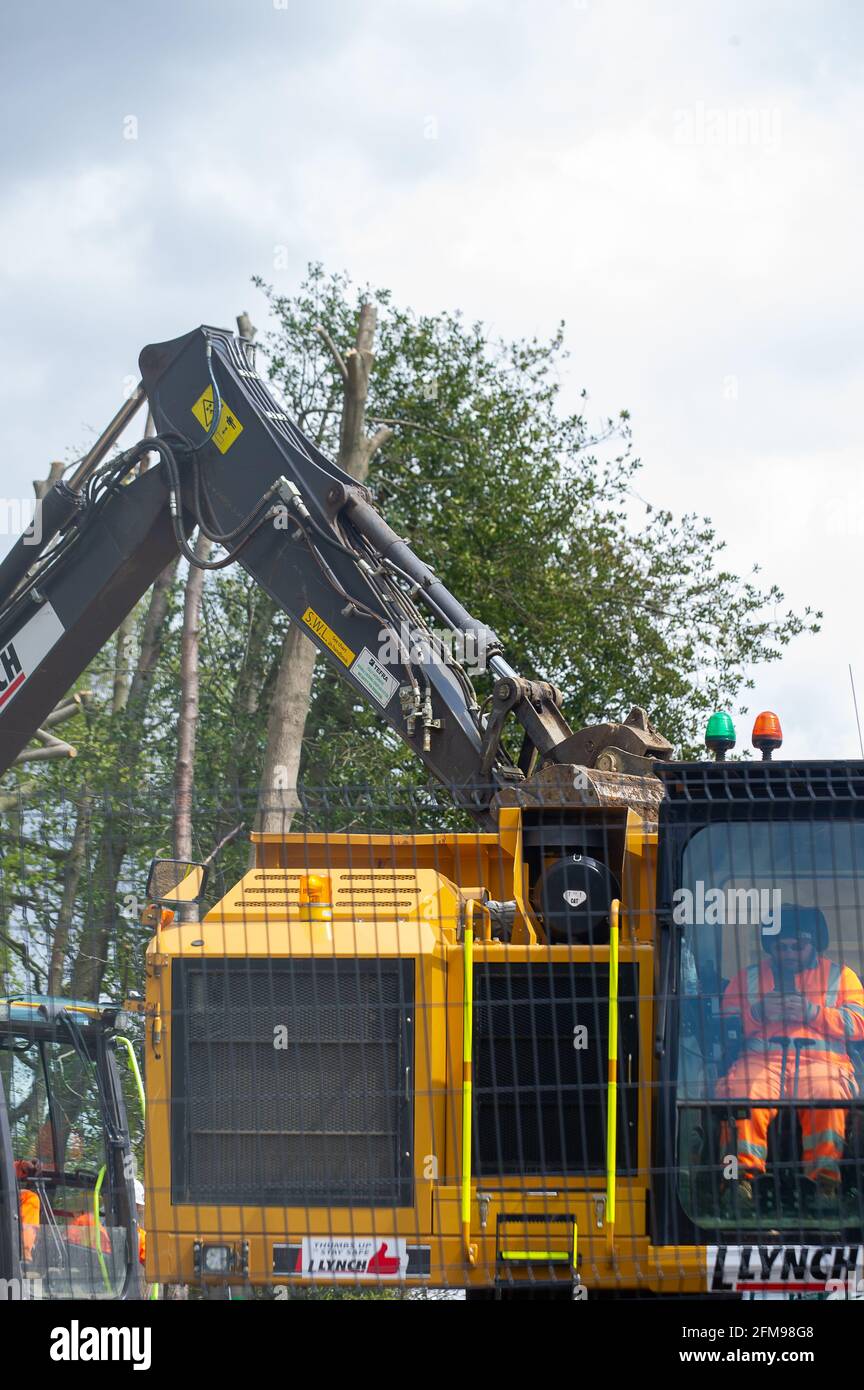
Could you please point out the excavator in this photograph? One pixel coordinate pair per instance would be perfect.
(68, 1208)
(521, 1059)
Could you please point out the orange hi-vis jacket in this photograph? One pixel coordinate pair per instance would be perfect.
(82, 1232)
(836, 991)
(823, 1070)
(30, 1209)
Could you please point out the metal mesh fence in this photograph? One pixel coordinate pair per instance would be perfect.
(599, 1049)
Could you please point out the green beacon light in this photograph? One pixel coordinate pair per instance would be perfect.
(720, 735)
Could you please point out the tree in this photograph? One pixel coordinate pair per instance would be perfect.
(524, 509)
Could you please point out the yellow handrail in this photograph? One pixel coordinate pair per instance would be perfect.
(467, 1075)
(612, 1091)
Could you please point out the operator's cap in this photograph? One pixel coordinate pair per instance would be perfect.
(795, 922)
(139, 1193)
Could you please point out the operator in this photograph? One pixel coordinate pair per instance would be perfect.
(139, 1214)
(799, 1011)
(29, 1206)
(82, 1231)
(29, 1201)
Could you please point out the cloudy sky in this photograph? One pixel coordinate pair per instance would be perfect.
(680, 181)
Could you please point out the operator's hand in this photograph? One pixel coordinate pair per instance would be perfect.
(797, 1010)
(793, 1010)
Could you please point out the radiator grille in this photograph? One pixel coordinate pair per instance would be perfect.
(539, 1102)
(290, 1082)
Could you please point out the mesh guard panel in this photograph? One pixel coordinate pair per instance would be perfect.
(540, 1103)
(289, 1082)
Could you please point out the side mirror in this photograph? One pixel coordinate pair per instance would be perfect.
(172, 882)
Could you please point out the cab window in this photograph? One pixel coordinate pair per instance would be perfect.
(58, 1143)
(768, 918)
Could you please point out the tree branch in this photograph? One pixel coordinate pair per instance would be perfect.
(9, 837)
(378, 440)
(49, 740)
(41, 755)
(337, 356)
(417, 425)
(226, 840)
(10, 801)
(23, 954)
(67, 708)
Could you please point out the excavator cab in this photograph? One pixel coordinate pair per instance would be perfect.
(67, 1201)
(760, 1001)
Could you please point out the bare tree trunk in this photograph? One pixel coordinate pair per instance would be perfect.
(123, 639)
(277, 800)
(41, 486)
(151, 637)
(255, 681)
(71, 878)
(92, 953)
(187, 726)
(122, 660)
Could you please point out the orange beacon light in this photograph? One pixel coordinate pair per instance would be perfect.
(767, 734)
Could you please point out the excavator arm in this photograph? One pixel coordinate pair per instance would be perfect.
(232, 462)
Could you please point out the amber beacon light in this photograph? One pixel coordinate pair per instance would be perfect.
(315, 897)
(767, 734)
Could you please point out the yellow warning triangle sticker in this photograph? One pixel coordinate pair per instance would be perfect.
(229, 427)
